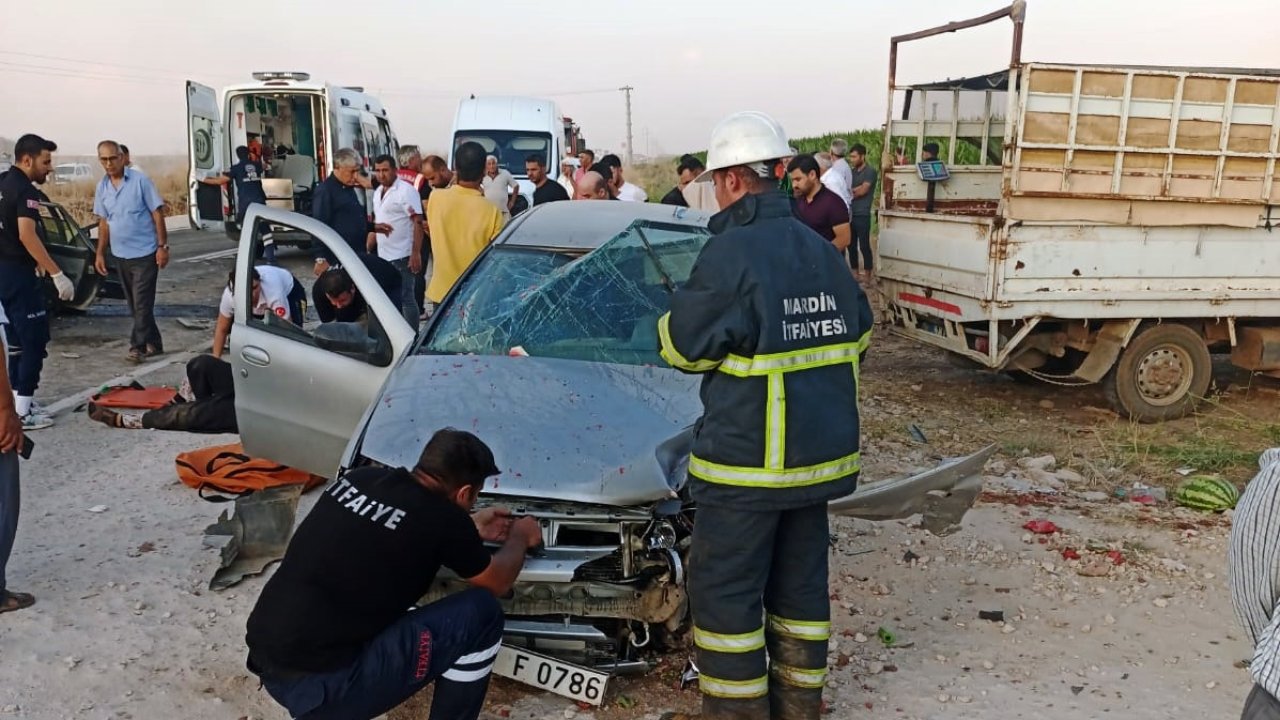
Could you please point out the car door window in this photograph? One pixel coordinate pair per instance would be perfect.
(365, 340)
(603, 306)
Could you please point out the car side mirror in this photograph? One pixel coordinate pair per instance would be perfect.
(346, 338)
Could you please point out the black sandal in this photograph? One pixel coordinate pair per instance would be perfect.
(10, 601)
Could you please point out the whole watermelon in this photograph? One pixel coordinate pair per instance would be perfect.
(1209, 493)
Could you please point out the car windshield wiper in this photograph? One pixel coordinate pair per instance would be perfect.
(666, 279)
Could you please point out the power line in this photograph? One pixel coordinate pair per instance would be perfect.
(97, 63)
(25, 69)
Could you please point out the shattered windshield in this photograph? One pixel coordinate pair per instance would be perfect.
(602, 306)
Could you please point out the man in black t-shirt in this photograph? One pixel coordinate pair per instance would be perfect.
(329, 636)
(23, 257)
(544, 191)
(336, 297)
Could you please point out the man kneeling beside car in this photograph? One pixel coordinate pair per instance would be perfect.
(330, 637)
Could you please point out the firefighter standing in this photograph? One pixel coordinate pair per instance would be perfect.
(775, 320)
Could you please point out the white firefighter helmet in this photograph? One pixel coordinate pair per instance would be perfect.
(747, 138)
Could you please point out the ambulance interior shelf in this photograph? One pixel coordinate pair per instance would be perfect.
(278, 122)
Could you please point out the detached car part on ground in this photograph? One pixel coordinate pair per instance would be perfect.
(547, 349)
(74, 250)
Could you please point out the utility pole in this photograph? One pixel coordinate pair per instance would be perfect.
(630, 156)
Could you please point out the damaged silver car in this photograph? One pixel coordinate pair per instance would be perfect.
(547, 349)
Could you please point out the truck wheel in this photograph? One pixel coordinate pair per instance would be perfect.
(1161, 375)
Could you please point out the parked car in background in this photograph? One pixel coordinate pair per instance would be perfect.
(547, 349)
(74, 251)
(72, 173)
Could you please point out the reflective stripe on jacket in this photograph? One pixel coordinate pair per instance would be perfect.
(773, 317)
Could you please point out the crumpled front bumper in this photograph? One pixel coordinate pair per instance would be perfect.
(942, 494)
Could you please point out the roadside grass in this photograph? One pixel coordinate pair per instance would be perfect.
(1217, 439)
(77, 198)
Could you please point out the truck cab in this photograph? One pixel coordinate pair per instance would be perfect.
(292, 124)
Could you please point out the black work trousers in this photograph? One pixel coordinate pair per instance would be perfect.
(757, 582)
(213, 410)
(860, 228)
(138, 276)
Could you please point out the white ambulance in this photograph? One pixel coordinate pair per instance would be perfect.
(293, 124)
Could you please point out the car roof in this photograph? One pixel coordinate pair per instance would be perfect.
(588, 224)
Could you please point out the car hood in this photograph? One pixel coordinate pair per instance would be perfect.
(568, 430)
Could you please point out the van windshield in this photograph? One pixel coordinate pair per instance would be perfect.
(511, 147)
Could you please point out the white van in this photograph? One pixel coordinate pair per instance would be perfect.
(72, 173)
(294, 123)
(512, 129)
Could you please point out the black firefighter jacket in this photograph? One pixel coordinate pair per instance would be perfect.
(773, 318)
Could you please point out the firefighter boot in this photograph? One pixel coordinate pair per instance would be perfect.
(714, 708)
(797, 673)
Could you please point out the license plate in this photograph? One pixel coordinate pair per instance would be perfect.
(562, 678)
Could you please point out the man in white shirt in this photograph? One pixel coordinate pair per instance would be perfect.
(397, 235)
(499, 187)
(275, 290)
(834, 181)
(1253, 573)
(840, 166)
(628, 192)
(568, 166)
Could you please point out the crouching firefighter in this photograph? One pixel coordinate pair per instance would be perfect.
(776, 323)
(330, 637)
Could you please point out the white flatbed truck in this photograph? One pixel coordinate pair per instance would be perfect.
(1098, 223)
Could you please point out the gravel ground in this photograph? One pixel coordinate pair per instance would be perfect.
(110, 543)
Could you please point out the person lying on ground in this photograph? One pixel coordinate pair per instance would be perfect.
(275, 291)
(329, 636)
(207, 403)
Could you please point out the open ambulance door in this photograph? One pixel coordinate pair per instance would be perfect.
(205, 154)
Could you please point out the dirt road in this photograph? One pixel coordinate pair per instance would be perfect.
(124, 627)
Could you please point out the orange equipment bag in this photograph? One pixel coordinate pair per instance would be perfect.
(135, 396)
(226, 469)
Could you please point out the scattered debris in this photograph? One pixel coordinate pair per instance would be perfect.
(1046, 463)
(98, 509)
(1070, 554)
(70, 355)
(916, 433)
(886, 636)
(991, 615)
(908, 556)
(255, 537)
(1041, 527)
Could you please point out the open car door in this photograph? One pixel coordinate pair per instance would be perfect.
(205, 154)
(74, 252)
(301, 393)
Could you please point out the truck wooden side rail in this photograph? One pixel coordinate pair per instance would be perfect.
(1100, 223)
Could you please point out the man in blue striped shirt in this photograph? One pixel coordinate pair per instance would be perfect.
(131, 222)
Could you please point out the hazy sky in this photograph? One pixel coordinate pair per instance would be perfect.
(80, 70)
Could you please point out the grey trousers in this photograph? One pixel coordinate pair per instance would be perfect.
(1260, 706)
(408, 304)
(138, 276)
(8, 509)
